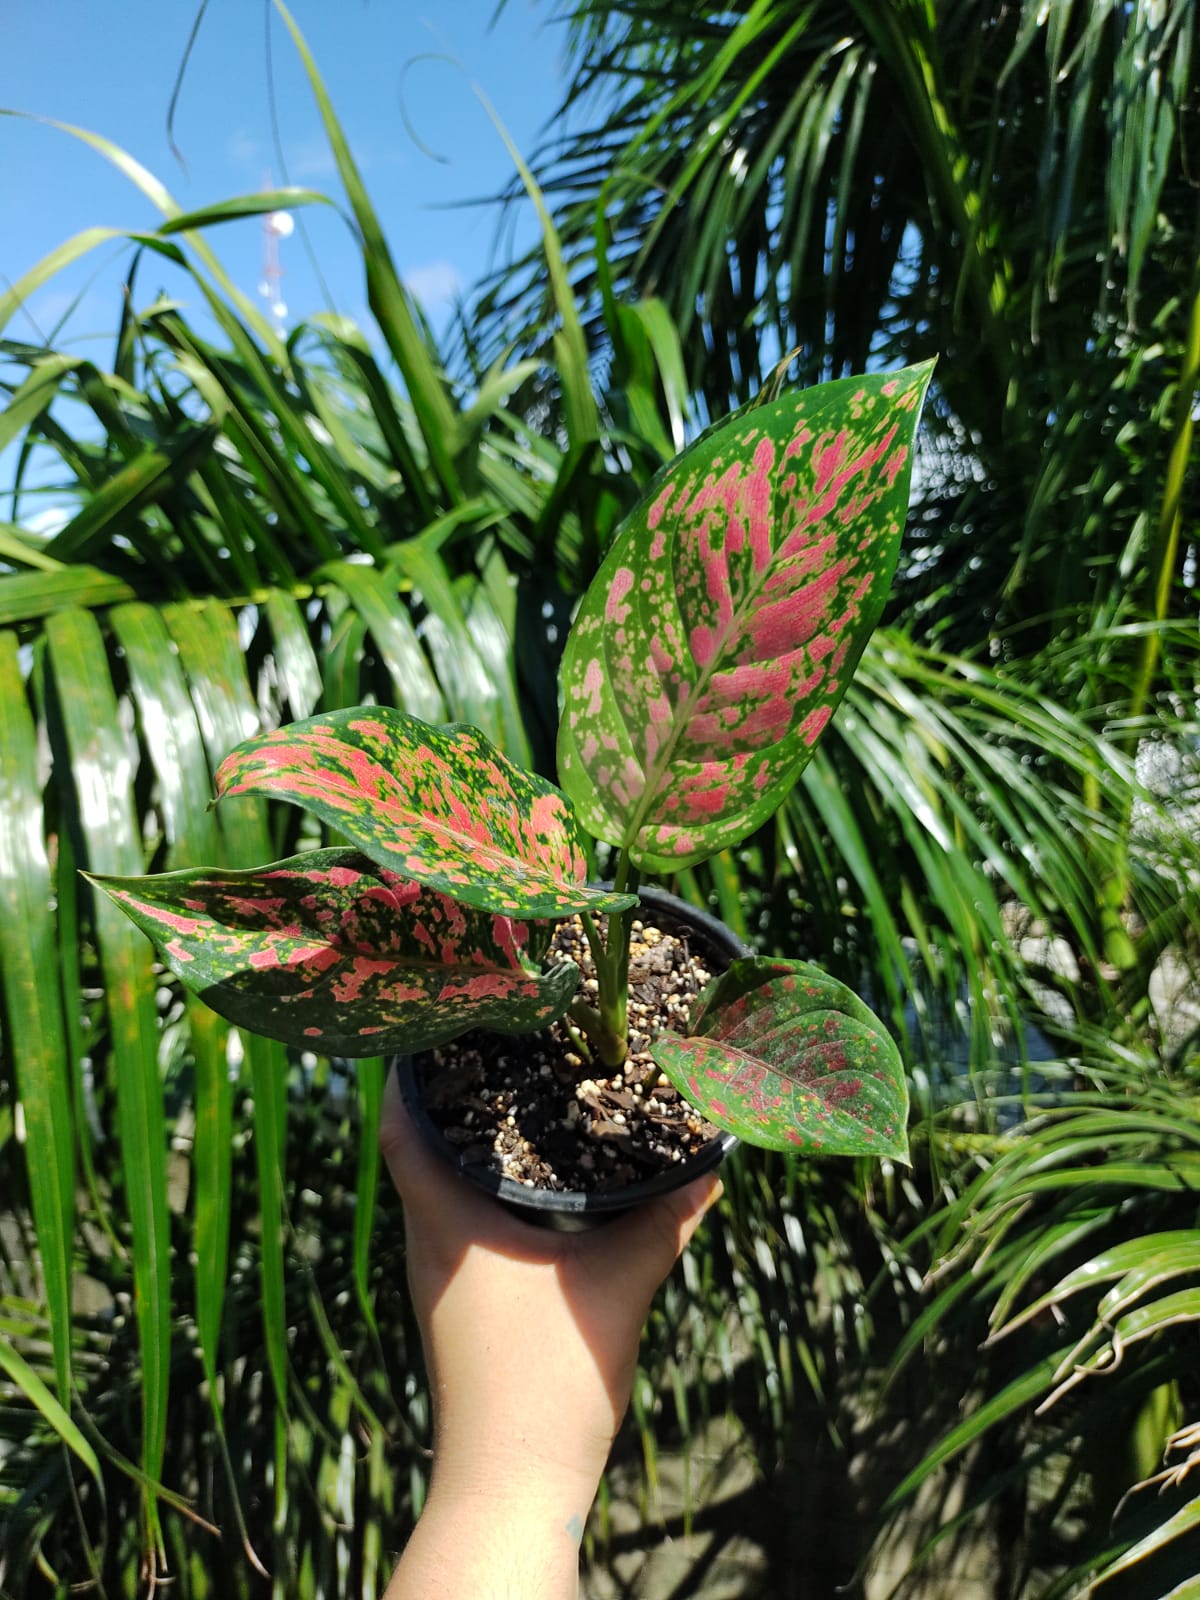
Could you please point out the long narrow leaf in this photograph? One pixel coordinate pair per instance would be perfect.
(100, 765)
(33, 1018)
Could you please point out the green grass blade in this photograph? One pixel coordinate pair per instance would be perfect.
(341, 665)
(212, 658)
(33, 1017)
(90, 721)
(27, 1380)
(1186, 1520)
(70, 889)
(25, 596)
(61, 256)
(160, 197)
(244, 205)
(212, 1168)
(495, 643)
(388, 297)
(570, 343)
(171, 733)
(299, 674)
(1014, 1396)
(34, 395)
(16, 546)
(470, 691)
(267, 1062)
(386, 616)
(91, 530)
(370, 1072)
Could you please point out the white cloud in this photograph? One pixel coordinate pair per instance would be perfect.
(434, 283)
(242, 149)
(312, 158)
(48, 521)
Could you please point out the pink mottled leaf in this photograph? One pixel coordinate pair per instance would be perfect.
(440, 805)
(332, 953)
(728, 617)
(788, 1058)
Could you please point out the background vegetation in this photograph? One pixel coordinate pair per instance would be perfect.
(866, 1376)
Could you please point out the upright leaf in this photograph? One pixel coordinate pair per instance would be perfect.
(389, 299)
(726, 622)
(32, 1010)
(209, 650)
(99, 755)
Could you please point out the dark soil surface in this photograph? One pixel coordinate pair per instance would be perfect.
(532, 1109)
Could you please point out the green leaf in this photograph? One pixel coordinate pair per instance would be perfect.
(268, 1081)
(328, 952)
(126, 492)
(440, 805)
(34, 396)
(299, 674)
(26, 595)
(387, 617)
(1014, 1396)
(25, 549)
(60, 257)
(26, 1379)
(244, 205)
(788, 1058)
(370, 1072)
(1140, 1264)
(1185, 1520)
(724, 626)
(32, 1009)
(93, 736)
(389, 300)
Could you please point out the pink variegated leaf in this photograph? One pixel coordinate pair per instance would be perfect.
(440, 805)
(727, 619)
(789, 1058)
(332, 953)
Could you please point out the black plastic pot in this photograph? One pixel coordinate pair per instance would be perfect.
(573, 1210)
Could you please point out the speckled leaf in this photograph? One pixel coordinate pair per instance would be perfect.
(728, 617)
(440, 805)
(330, 952)
(788, 1058)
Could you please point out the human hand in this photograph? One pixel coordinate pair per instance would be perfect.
(531, 1341)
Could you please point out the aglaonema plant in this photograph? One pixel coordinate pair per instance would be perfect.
(706, 658)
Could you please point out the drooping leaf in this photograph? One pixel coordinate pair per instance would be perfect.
(788, 1058)
(440, 805)
(729, 615)
(1139, 1263)
(1185, 1520)
(327, 951)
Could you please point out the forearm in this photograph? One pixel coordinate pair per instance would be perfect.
(530, 1341)
(495, 1540)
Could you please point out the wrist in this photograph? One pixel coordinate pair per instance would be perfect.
(495, 1533)
(503, 1433)
(518, 1471)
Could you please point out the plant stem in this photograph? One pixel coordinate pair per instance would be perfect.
(582, 1021)
(608, 1026)
(592, 934)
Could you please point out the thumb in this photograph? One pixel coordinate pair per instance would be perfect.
(647, 1242)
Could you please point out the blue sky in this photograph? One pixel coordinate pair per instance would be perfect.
(110, 67)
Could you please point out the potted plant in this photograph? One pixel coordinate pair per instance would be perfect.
(707, 656)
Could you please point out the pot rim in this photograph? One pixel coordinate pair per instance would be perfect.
(570, 1209)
